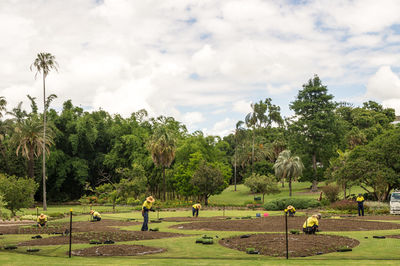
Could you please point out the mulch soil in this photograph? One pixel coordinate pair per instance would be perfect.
(379, 217)
(117, 250)
(99, 236)
(193, 219)
(300, 245)
(394, 236)
(103, 225)
(277, 224)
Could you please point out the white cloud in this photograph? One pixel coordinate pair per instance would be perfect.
(125, 55)
(221, 128)
(383, 85)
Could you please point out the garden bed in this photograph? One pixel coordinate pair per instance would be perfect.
(299, 245)
(117, 250)
(100, 236)
(192, 219)
(277, 224)
(103, 225)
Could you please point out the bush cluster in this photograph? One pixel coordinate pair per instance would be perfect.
(281, 204)
(331, 192)
(347, 206)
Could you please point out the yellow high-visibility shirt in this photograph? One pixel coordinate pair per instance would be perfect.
(43, 220)
(360, 199)
(311, 221)
(197, 206)
(290, 210)
(147, 205)
(96, 214)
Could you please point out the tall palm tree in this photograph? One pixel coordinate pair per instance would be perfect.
(162, 147)
(251, 122)
(3, 104)
(28, 136)
(288, 167)
(43, 64)
(237, 131)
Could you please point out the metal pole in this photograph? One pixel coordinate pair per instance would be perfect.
(37, 212)
(287, 242)
(70, 232)
(158, 214)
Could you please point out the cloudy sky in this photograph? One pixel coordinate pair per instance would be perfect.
(201, 61)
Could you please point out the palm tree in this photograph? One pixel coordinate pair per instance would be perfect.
(288, 167)
(28, 136)
(237, 130)
(43, 64)
(3, 104)
(162, 147)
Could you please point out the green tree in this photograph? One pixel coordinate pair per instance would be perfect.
(44, 63)
(162, 146)
(29, 138)
(314, 130)
(16, 192)
(288, 167)
(209, 180)
(262, 184)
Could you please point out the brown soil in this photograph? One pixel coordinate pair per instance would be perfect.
(378, 217)
(100, 236)
(394, 236)
(301, 245)
(117, 250)
(193, 219)
(103, 225)
(277, 224)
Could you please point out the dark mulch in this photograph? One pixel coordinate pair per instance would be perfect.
(117, 250)
(101, 236)
(103, 225)
(277, 224)
(193, 219)
(394, 236)
(299, 245)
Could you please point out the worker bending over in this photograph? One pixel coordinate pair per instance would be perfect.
(42, 220)
(310, 226)
(195, 209)
(290, 210)
(96, 217)
(147, 206)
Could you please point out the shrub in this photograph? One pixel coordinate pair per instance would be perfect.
(348, 206)
(331, 192)
(133, 201)
(281, 204)
(56, 214)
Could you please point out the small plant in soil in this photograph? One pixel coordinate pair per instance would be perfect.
(95, 241)
(10, 247)
(208, 241)
(294, 232)
(156, 229)
(199, 241)
(251, 251)
(32, 250)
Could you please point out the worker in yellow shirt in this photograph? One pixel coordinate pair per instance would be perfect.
(96, 217)
(42, 220)
(310, 226)
(360, 203)
(195, 209)
(147, 206)
(290, 210)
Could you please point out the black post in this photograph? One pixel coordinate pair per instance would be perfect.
(158, 214)
(37, 212)
(287, 242)
(70, 232)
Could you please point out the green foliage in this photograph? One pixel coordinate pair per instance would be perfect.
(331, 192)
(298, 203)
(262, 184)
(17, 192)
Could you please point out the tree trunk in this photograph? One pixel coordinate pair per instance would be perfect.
(205, 200)
(252, 154)
(344, 191)
(44, 144)
(290, 186)
(314, 187)
(164, 183)
(31, 164)
(235, 169)
(263, 197)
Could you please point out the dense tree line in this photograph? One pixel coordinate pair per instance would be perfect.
(89, 152)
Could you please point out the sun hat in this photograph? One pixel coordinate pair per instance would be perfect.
(317, 215)
(42, 215)
(150, 199)
(289, 207)
(91, 211)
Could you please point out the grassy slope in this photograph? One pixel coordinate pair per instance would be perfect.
(183, 250)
